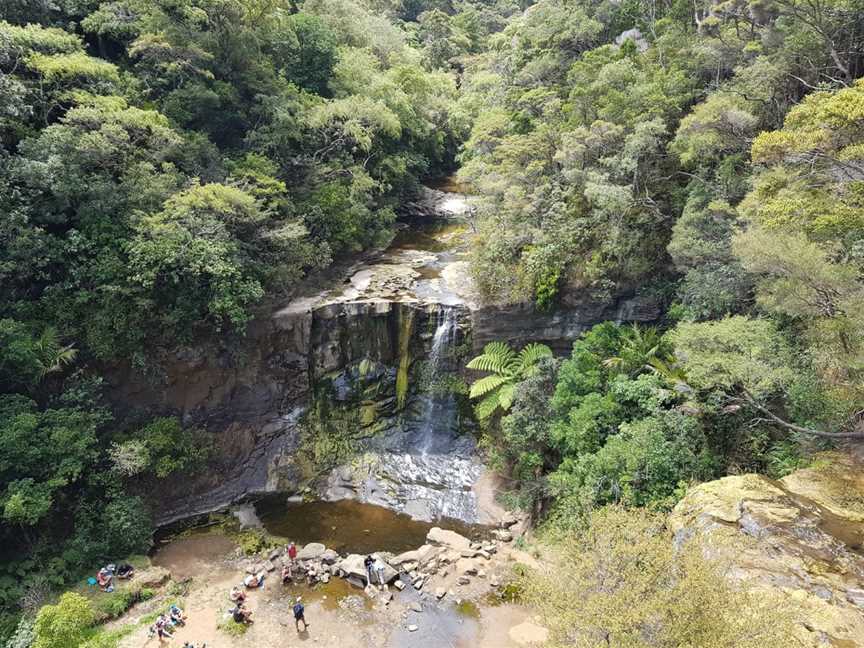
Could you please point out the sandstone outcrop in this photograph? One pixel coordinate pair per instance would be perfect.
(801, 537)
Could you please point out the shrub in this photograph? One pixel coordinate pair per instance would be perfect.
(620, 575)
(65, 624)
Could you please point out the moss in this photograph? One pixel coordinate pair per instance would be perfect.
(406, 329)
(368, 413)
(253, 541)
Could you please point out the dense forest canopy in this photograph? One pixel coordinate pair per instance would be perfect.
(167, 166)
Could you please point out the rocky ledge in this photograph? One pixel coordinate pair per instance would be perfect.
(800, 537)
(448, 564)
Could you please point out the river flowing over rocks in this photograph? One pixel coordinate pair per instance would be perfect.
(359, 364)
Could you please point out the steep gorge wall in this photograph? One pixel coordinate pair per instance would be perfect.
(252, 396)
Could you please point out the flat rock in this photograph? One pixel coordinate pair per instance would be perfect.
(352, 566)
(793, 538)
(311, 551)
(447, 538)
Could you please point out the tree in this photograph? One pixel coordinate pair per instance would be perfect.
(749, 361)
(507, 368)
(65, 624)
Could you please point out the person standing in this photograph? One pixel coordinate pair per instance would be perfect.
(379, 567)
(368, 561)
(292, 552)
(299, 614)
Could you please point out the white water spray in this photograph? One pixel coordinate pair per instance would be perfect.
(438, 405)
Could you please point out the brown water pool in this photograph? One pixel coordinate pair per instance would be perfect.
(350, 527)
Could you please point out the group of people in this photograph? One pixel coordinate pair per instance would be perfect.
(240, 613)
(165, 624)
(105, 576)
(375, 569)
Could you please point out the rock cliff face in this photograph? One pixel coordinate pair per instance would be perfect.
(801, 536)
(296, 373)
(522, 323)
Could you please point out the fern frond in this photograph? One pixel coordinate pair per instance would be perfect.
(530, 356)
(497, 357)
(506, 395)
(485, 385)
(487, 407)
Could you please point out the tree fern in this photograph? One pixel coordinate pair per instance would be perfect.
(506, 368)
(53, 356)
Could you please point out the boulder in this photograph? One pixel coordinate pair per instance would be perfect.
(447, 538)
(413, 628)
(311, 551)
(466, 567)
(420, 556)
(269, 566)
(399, 585)
(352, 567)
(440, 593)
(329, 557)
(504, 535)
(416, 607)
(508, 521)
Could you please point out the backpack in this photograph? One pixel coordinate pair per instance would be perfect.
(298, 610)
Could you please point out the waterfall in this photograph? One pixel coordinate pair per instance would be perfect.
(438, 406)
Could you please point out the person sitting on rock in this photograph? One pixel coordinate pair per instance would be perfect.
(176, 616)
(105, 578)
(287, 575)
(163, 628)
(125, 571)
(254, 580)
(237, 595)
(240, 614)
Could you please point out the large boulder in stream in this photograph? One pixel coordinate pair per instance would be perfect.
(800, 537)
(311, 551)
(352, 568)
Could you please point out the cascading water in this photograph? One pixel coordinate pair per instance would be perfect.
(440, 408)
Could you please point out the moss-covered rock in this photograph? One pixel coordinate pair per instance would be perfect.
(801, 537)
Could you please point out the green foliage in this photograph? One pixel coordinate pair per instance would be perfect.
(111, 605)
(506, 368)
(620, 572)
(65, 624)
(164, 447)
(736, 352)
(231, 628)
